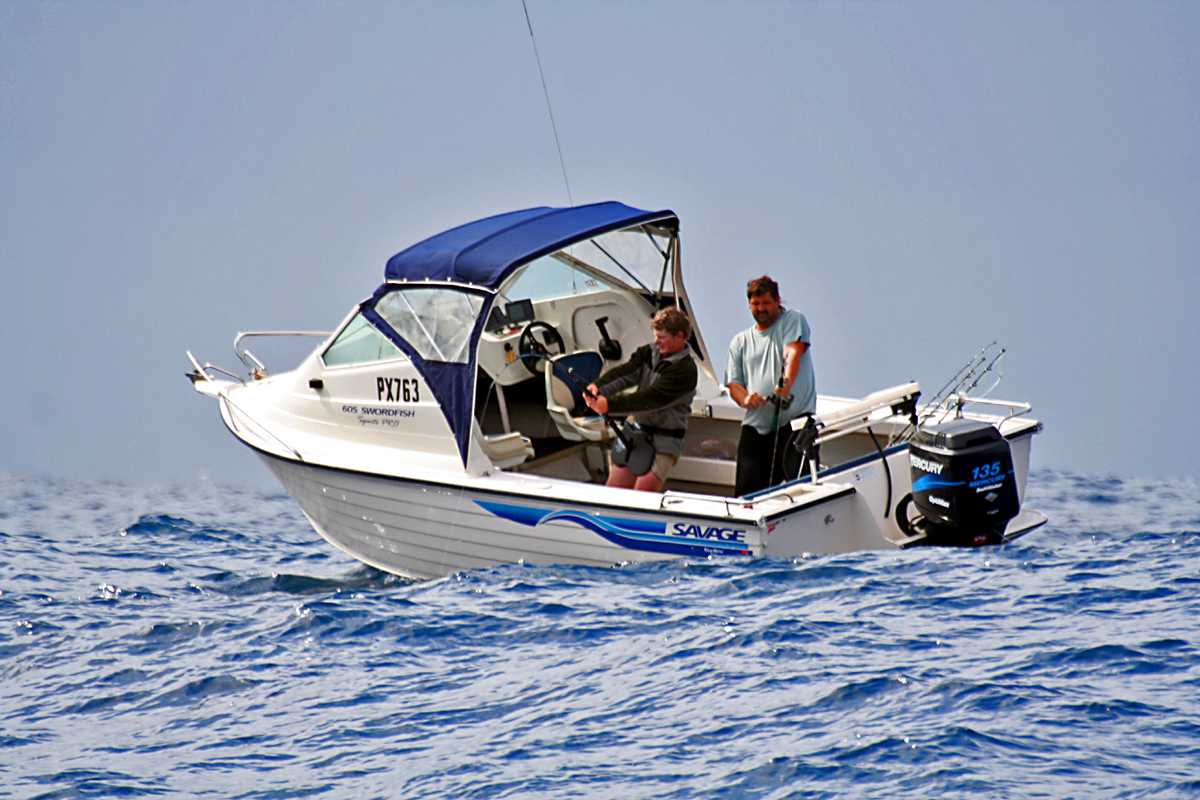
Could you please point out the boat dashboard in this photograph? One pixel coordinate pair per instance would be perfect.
(610, 322)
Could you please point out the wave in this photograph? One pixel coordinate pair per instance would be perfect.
(155, 640)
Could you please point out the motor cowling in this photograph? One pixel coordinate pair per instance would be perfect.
(963, 486)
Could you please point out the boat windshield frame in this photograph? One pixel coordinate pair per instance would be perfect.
(434, 332)
(518, 283)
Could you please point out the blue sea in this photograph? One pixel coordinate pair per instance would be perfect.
(200, 641)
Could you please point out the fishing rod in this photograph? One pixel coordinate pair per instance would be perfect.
(994, 363)
(778, 402)
(634, 449)
(569, 372)
(962, 388)
(948, 390)
(968, 368)
(978, 367)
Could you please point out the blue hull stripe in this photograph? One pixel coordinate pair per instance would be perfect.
(631, 534)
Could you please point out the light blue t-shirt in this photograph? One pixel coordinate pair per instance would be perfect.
(756, 361)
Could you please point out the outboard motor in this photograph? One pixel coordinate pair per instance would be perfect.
(963, 486)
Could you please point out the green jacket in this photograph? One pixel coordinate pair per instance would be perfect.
(663, 397)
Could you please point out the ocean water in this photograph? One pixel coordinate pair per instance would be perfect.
(204, 642)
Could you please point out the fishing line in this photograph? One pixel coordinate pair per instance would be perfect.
(546, 92)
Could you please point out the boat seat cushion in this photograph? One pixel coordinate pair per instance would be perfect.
(507, 449)
(585, 366)
(566, 377)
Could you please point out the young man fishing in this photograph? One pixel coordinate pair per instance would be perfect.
(663, 376)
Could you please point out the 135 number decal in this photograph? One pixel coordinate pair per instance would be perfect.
(986, 471)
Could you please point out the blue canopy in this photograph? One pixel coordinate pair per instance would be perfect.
(484, 252)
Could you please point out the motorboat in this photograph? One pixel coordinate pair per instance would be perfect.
(440, 426)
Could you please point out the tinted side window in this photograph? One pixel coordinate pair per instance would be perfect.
(359, 343)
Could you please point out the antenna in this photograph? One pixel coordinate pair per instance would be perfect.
(546, 92)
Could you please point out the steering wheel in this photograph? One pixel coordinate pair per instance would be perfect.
(550, 344)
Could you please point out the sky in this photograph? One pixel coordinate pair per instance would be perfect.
(922, 178)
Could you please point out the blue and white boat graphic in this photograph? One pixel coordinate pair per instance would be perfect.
(634, 534)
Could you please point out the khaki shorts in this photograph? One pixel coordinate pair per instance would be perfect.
(660, 466)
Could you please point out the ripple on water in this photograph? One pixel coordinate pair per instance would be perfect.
(191, 640)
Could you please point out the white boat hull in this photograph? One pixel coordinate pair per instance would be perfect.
(426, 530)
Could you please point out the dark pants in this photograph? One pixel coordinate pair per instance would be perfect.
(755, 459)
(756, 454)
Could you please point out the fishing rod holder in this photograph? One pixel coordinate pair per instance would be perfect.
(1015, 409)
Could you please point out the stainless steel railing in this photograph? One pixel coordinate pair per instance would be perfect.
(257, 369)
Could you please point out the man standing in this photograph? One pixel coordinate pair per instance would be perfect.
(767, 364)
(664, 375)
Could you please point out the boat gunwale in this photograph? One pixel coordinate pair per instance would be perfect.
(833, 489)
(813, 500)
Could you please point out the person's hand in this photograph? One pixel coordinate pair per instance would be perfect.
(755, 400)
(596, 402)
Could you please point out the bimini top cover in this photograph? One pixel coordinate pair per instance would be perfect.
(484, 252)
(476, 258)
